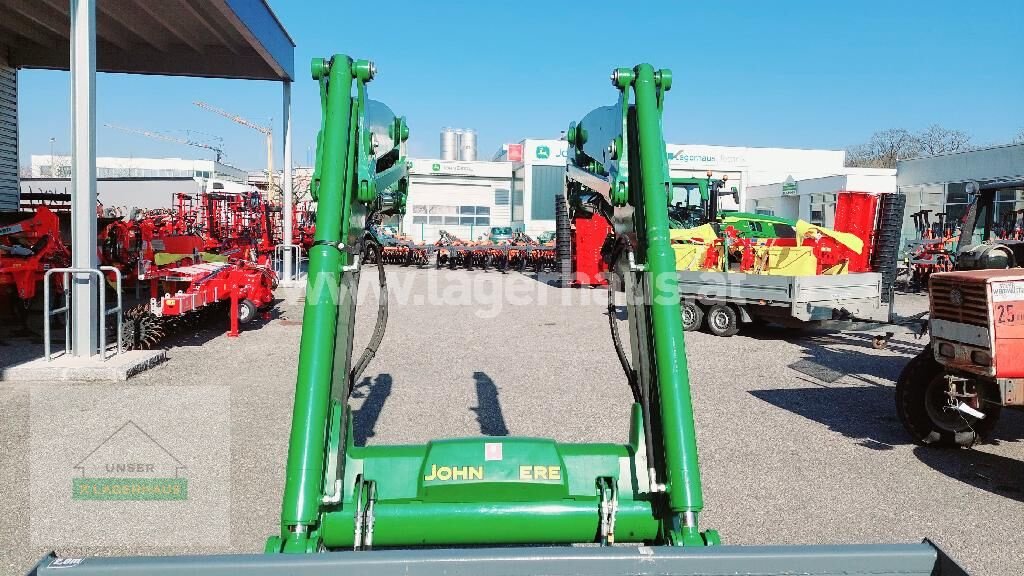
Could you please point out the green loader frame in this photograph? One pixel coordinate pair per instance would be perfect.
(437, 506)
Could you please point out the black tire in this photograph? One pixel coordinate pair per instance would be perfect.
(920, 404)
(246, 311)
(563, 242)
(692, 314)
(722, 320)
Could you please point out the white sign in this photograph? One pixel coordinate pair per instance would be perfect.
(546, 151)
(1007, 291)
(706, 156)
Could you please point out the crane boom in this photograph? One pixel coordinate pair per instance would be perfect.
(158, 136)
(234, 117)
(267, 132)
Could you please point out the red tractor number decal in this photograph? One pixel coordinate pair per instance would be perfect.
(1011, 313)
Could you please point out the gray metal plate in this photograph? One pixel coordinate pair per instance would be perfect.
(922, 559)
(380, 118)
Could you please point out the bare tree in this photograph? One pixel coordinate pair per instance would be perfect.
(1019, 138)
(938, 140)
(884, 149)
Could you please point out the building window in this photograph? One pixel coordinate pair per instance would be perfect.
(445, 215)
(501, 197)
(823, 209)
(517, 195)
(548, 181)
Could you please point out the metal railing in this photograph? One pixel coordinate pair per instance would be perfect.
(66, 308)
(280, 251)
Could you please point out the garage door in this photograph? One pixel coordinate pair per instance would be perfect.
(8, 138)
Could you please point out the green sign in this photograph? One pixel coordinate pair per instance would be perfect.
(129, 489)
(436, 167)
(789, 187)
(543, 152)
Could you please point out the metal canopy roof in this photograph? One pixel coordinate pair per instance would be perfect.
(210, 38)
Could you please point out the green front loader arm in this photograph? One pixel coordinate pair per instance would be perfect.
(480, 491)
(617, 156)
(360, 161)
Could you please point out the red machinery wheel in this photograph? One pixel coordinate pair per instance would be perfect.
(247, 310)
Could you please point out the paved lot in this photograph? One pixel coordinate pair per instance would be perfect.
(799, 442)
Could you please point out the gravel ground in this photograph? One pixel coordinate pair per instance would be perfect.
(799, 441)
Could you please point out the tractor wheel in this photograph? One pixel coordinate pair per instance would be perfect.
(693, 315)
(923, 408)
(721, 320)
(246, 311)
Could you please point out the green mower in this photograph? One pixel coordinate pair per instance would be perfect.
(502, 506)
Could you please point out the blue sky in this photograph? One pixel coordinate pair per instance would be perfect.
(805, 74)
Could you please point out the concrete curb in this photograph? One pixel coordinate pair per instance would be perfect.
(118, 368)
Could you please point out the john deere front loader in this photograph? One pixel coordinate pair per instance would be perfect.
(503, 506)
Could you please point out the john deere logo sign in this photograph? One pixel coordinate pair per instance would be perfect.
(436, 167)
(129, 465)
(543, 152)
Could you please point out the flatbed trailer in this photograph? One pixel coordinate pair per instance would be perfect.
(728, 299)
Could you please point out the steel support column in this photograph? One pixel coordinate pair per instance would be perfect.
(286, 180)
(84, 336)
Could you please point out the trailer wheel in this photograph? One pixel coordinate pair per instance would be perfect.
(921, 403)
(246, 311)
(693, 315)
(721, 320)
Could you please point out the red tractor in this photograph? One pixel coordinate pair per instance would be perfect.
(952, 393)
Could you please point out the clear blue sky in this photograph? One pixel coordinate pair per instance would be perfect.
(806, 74)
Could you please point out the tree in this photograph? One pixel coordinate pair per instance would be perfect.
(938, 140)
(883, 149)
(886, 147)
(1019, 138)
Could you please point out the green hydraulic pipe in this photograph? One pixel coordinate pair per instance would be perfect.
(680, 442)
(304, 475)
(450, 523)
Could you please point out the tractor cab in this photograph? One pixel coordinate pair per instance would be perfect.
(695, 201)
(992, 236)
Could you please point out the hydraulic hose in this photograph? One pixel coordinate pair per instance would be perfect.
(378, 331)
(635, 387)
(613, 325)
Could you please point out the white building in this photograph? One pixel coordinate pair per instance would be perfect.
(47, 166)
(540, 174)
(814, 199)
(465, 198)
(938, 183)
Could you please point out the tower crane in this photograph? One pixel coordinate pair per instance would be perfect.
(267, 132)
(158, 136)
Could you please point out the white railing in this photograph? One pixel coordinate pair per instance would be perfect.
(280, 251)
(66, 308)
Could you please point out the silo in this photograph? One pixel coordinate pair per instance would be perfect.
(449, 144)
(467, 145)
